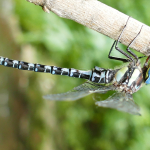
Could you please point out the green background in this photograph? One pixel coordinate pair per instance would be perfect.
(27, 121)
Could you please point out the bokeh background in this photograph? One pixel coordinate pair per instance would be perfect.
(27, 121)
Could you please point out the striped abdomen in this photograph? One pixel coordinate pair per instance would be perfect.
(98, 75)
(101, 75)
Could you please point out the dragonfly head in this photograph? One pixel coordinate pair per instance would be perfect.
(147, 76)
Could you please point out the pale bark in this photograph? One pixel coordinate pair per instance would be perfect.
(101, 18)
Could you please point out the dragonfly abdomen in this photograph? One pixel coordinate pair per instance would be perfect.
(101, 75)
(71, 72)
(98, 75)
(21, 65)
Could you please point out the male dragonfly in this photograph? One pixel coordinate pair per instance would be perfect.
(125, 81)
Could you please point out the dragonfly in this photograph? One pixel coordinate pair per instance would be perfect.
(124, 81)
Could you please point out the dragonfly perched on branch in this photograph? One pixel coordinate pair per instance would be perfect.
(125, 80)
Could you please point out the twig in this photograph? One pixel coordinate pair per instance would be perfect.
(101, 18)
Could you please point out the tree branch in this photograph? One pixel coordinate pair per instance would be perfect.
(101, 18)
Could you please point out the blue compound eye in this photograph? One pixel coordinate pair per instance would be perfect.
(148, 76)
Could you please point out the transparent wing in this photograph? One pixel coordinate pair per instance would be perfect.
(122, 102)
(80, 91)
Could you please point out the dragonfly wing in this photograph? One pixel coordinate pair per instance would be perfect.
(80, 91)
(122, 102)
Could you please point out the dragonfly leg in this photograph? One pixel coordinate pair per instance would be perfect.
(146, 62)
(117, 58)
(145, 67)
(118, 49)
(128, 49)
(141, 57)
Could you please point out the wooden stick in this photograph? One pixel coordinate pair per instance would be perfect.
(101, 18)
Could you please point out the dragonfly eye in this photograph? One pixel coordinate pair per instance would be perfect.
(148, 76)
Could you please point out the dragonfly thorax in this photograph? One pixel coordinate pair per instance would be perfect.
(129, 79)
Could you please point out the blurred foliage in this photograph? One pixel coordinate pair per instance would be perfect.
(80, 125)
